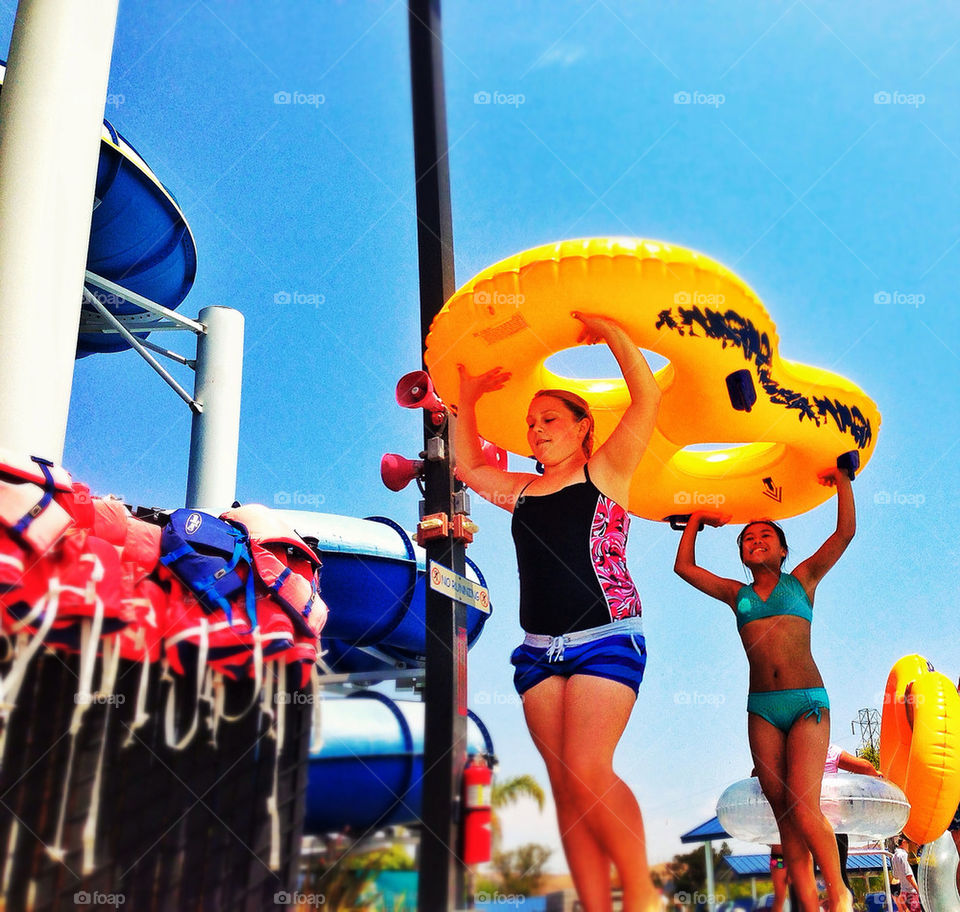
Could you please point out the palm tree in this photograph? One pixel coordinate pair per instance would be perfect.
(507, 793)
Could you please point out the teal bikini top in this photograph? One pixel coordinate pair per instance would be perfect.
(788, 597)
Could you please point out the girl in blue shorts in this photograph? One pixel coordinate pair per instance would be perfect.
(582, 660)
(788, 713)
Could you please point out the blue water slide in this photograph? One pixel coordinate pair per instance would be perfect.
(368, 771)
(139, 238)
(373, 581)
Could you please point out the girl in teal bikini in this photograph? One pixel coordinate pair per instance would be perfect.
(788, 713)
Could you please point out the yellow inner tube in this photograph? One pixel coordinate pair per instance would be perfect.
(708, 323)
(922, 755)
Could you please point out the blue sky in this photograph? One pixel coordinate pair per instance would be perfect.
(833, 207)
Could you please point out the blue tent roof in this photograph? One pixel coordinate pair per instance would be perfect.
(706, 832)
(759, 865)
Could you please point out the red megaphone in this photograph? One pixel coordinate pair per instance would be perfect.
(397, 472)
(493, 455)
(415, 390)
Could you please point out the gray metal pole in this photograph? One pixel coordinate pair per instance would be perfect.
(708, 861)
(215, 435)
(886, 882)
(51, 115)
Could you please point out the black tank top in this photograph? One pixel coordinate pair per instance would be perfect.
(572, 558)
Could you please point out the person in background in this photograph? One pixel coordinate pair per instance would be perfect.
(908, 895)
(839, 759)
(779, 877)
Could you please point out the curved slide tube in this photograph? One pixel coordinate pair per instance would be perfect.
(368, 772)
(865, 807)
(373, 581)
(139, 238)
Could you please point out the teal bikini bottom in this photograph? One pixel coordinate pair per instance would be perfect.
(783, 707)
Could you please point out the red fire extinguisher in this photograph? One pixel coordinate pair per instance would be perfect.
(477, 784)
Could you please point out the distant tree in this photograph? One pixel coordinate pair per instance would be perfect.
(689, 871)
(872, 753)
(343, 878)
(521, 869)
(509, 792)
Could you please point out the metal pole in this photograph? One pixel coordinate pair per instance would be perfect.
(886, 882)
(442, 875)
(51, 115)
(708, 861)
(215, 435)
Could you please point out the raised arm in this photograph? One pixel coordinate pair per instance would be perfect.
(613, 465)
(499, 487)
(853, 764)
(814, 568)
(686, 566)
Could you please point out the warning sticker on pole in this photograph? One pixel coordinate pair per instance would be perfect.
(444, 580)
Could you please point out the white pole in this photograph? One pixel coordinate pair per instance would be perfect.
(215, 436)
(886, 882)
(708, 859)
(51, 112)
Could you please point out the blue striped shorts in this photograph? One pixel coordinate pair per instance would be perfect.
(615, 651)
